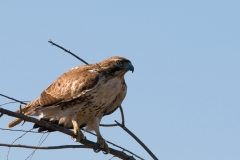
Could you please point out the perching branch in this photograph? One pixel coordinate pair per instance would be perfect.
(16, 130)
(51, 126)
(137, 139)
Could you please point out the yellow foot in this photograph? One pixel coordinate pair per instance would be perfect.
(103, 145)
(79, 135)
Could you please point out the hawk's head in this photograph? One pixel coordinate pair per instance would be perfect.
(117, 65)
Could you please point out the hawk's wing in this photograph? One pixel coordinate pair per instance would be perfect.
(70, 85)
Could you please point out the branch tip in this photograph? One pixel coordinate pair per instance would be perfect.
(68, 51)
(20, 109)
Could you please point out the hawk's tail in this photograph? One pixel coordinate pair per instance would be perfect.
(26, 110)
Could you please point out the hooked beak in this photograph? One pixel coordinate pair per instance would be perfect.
(130, 67)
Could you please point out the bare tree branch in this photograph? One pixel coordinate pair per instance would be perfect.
(83, 130)
(113, 125)
(108, 125)
(48, 147)
(68, 51)
(138, 140)
(11, 102)
(123, 121)
(12, 99)
(39, 144)
(51, 126)
(17, 130)
(15, 141)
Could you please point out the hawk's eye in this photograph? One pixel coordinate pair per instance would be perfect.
(119, 63)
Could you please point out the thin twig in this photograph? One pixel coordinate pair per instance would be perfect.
(35, 149)
(11, 102)
(65, 131)
(15, 141)
(39, 144)
(108, 125)
(48, 147)
(68, 51)
(22, 102)
(123, 121)
(114, 125)
(17, 130)
(138, 140)
(20, 109)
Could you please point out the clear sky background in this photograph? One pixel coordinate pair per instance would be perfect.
(183, 98)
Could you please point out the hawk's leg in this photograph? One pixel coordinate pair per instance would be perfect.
(102, 143)
(79, 135)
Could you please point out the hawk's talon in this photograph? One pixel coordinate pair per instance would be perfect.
(83, 140)
(96, 148)
(79, 137)
(103, 146)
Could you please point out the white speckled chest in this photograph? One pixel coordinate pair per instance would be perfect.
(94, 102)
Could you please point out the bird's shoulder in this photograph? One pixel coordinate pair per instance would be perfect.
(71, 84)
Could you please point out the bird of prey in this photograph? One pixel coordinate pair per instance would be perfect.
(82, 96)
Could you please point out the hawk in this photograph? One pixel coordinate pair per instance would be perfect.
(82, 96)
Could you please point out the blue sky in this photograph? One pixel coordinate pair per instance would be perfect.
(183, 97)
